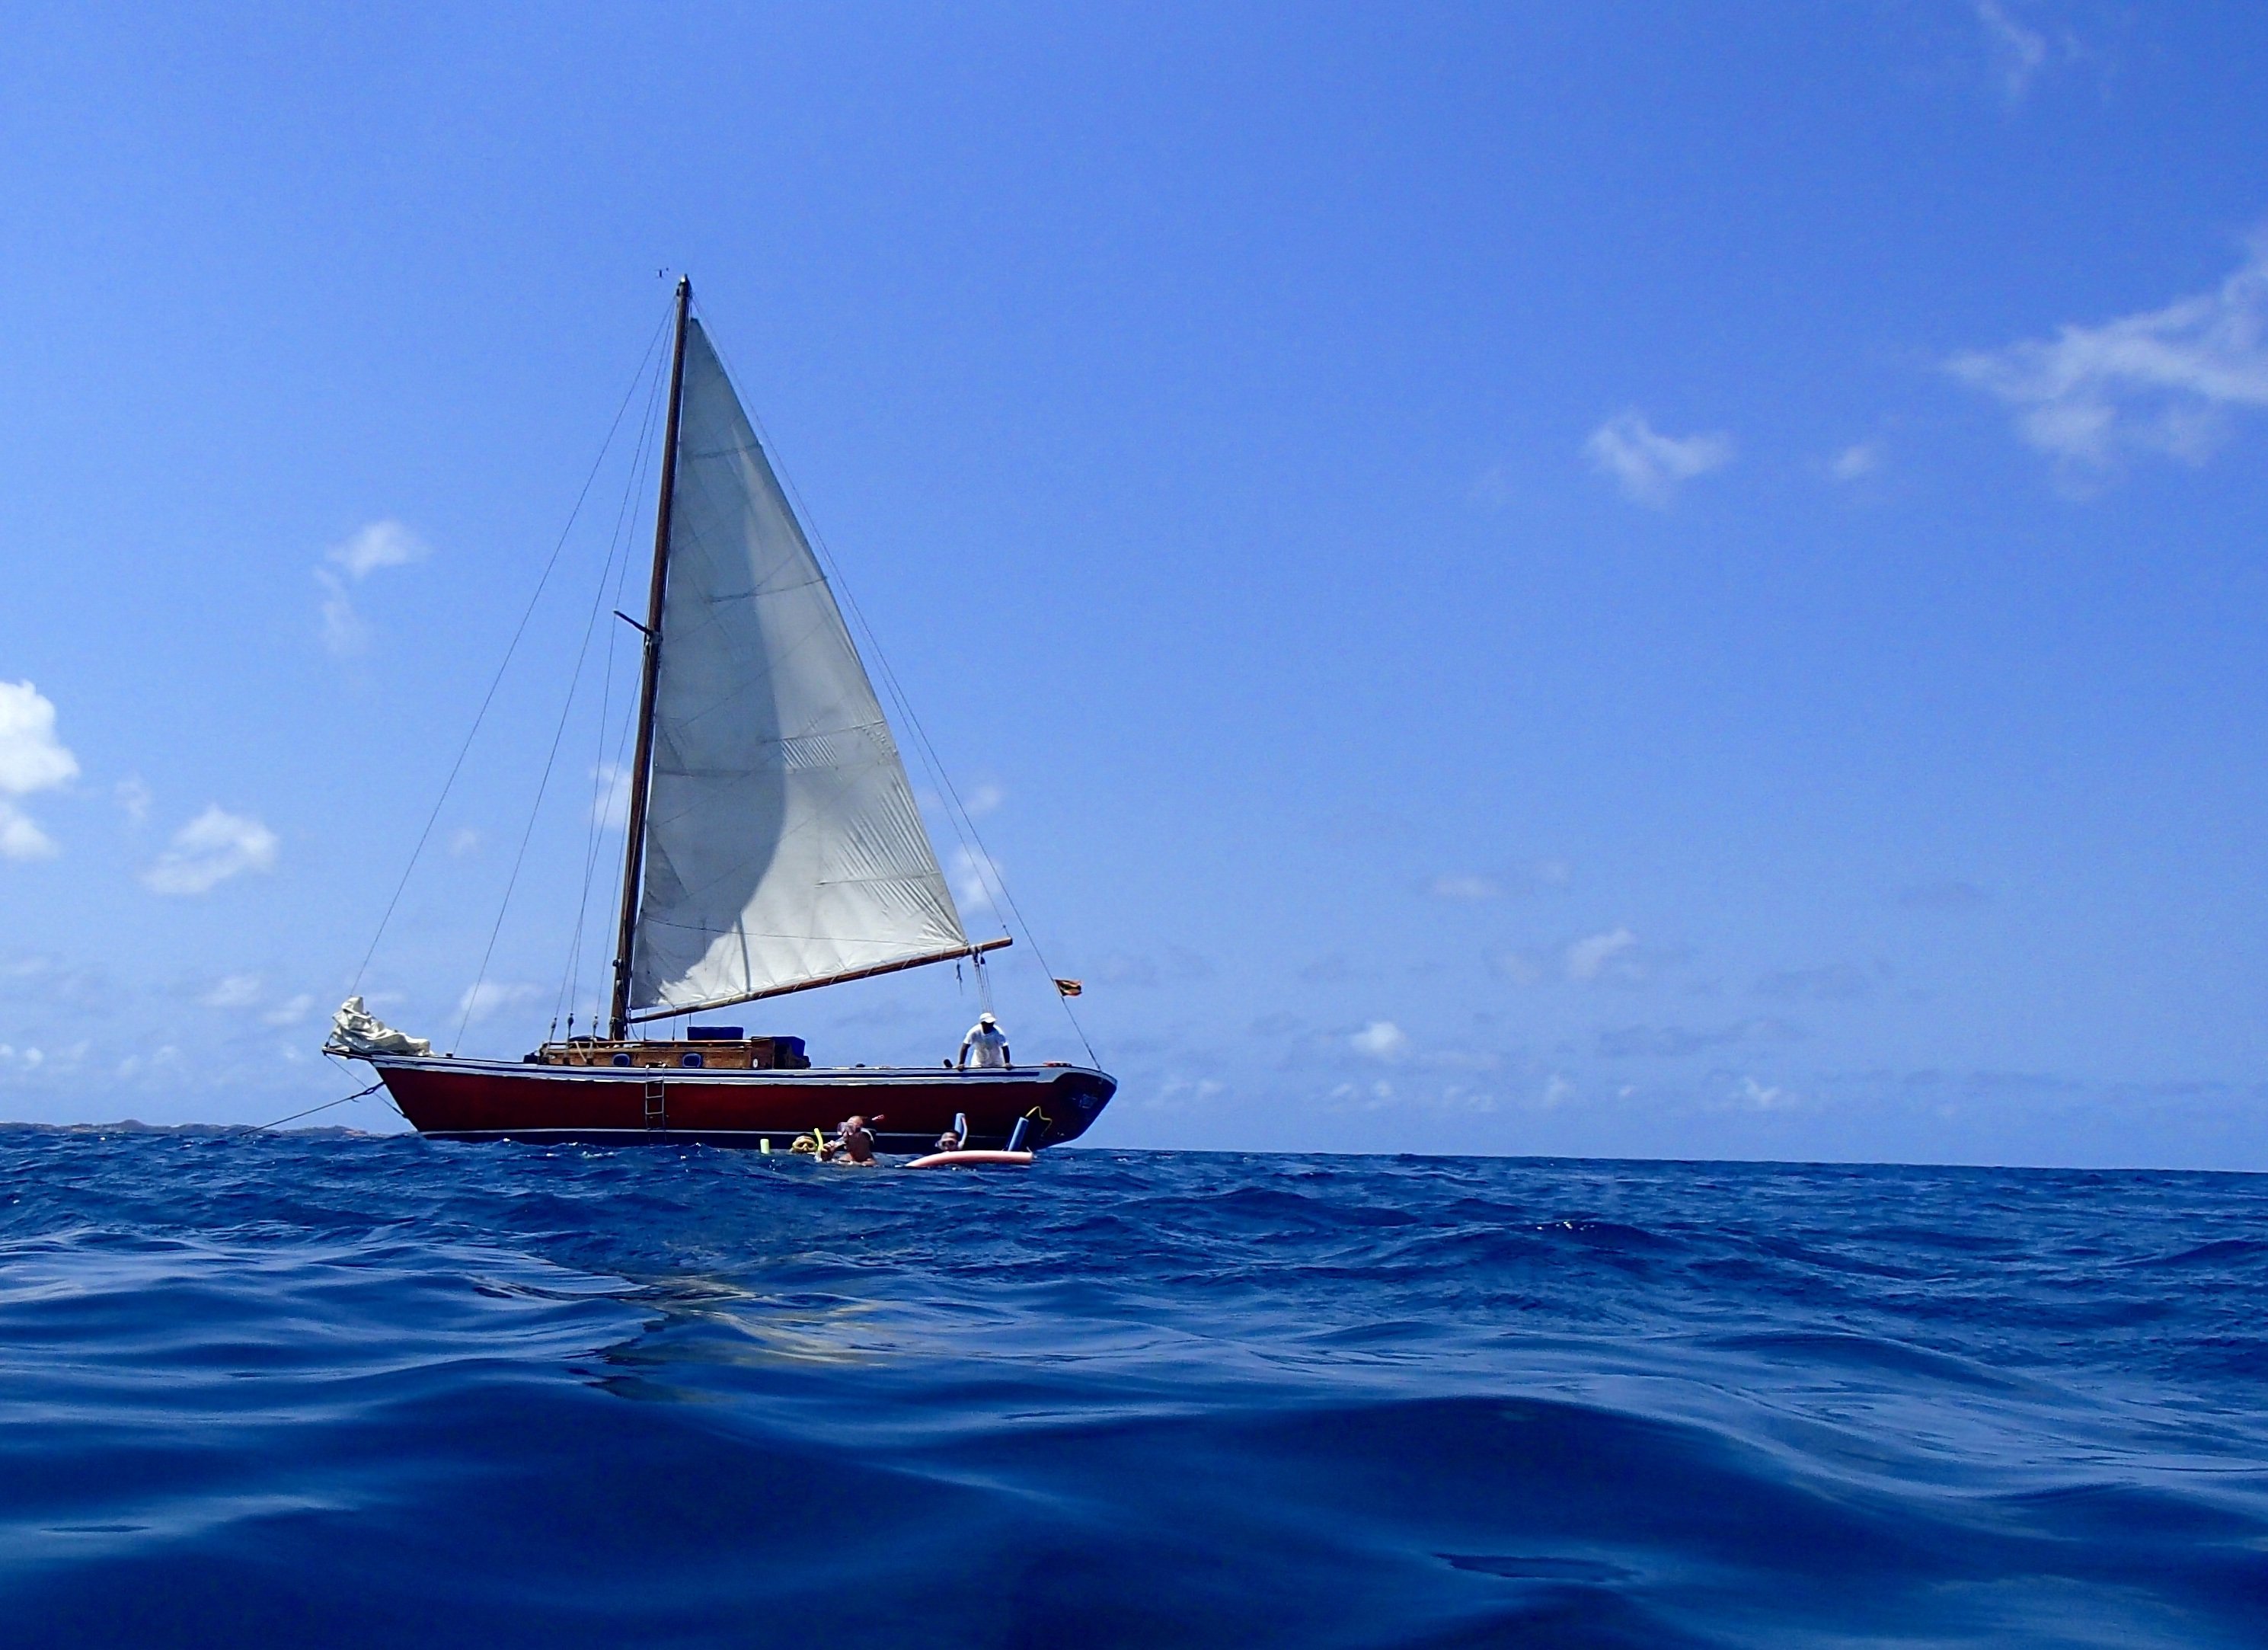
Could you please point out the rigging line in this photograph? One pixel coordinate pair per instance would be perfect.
(255, 1128)
(563, 1001)
(333, 1057)
(622, 754)
(593, 846)
(595, 831)
(536, 809)
(592, 840)
(957, 814)
(594, 843)
(982, 864)
(513, 647)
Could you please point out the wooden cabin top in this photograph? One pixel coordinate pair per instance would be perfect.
(735, 1054)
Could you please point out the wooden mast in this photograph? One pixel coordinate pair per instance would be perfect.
(642, 764)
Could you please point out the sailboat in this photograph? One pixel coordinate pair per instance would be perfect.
(774, 847)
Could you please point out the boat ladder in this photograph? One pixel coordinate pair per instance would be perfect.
(657, 1105)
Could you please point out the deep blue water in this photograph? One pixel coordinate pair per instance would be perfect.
(334, 1391)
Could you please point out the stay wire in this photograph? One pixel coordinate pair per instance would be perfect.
(957, 814)
(617, 546)
(513, 647)
(595, 844)
(535, 808)
(995, 886)
(626, 728)
(255, 1128)
(562, 999)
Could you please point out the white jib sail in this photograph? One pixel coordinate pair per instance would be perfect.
(783, 843)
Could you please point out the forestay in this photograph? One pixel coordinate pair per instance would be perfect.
(783, 845)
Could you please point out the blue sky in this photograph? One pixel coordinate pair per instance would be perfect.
(1624, 580)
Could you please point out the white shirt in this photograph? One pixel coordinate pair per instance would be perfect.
(985, 1046)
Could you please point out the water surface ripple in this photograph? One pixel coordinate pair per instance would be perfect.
(327, 1389)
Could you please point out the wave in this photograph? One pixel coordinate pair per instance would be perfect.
(374, 1391)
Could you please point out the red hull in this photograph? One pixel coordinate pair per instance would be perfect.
(494, 1100)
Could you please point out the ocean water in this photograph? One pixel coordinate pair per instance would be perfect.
(340, 1390)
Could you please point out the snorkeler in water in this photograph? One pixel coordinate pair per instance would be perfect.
(853, 1143)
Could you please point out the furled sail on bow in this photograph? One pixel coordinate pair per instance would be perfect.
(783, 845)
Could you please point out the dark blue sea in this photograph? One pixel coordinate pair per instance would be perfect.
(340, 1390)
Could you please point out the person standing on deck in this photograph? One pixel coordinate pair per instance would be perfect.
(986, 1045)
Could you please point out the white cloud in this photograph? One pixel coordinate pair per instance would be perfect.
(20, 838)
(1857, 461)
(1380, 1039)
(345, 633)
(32, 758)
(1589, 959)
(491, 996)
(2020, 52)
(234, 990)
(1521, 968)
(1761, 1097)
(1651, 466)
(210, 849)
(1529, 878)
(2164, 381)
(238, 991)
(977, 879)
(1467, 888)
(610, 800)
(1177, 1094)
(133, 798)
(380, 544)
(463, 841)
(985, 799)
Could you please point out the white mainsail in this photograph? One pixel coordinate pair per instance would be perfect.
(783, 845)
